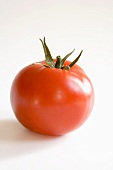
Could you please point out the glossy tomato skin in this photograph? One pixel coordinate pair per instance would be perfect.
(52, 101)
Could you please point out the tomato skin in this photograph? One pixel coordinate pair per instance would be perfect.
(52, 101)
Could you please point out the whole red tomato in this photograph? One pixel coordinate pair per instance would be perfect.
(52, 97)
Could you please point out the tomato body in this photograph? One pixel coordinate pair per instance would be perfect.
(52, 101)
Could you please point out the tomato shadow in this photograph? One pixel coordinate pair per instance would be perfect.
(16, 140)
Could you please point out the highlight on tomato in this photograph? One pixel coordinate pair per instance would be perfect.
(53, 96)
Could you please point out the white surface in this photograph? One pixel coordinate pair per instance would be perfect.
(68, 24)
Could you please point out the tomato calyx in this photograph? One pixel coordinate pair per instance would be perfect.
(59, 61)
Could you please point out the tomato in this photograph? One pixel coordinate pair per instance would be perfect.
(51, 98)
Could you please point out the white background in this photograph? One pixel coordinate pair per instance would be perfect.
(66, 24)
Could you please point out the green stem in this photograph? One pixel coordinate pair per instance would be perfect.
(58, 62)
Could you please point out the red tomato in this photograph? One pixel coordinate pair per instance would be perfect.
(50, 100)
